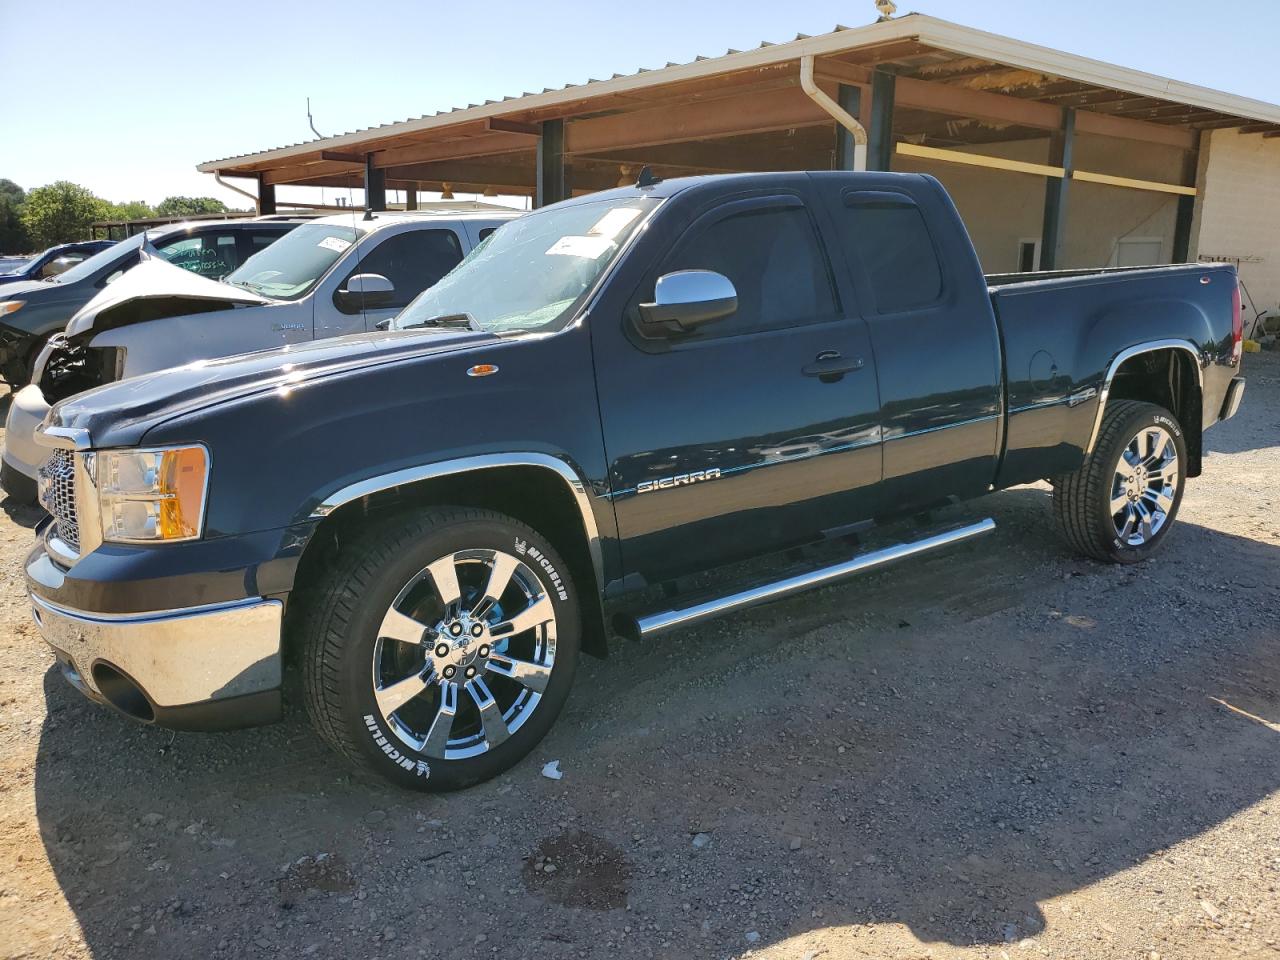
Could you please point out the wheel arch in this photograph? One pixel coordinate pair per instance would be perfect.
(1166, 372)
(540, 490)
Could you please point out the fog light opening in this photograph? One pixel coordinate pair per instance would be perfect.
(122, 693)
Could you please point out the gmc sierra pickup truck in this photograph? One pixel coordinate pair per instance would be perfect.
(607, 396)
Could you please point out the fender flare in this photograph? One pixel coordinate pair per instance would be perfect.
(1129, 353)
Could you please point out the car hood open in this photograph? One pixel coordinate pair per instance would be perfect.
(155, 289)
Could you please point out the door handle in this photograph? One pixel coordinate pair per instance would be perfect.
(829, 366)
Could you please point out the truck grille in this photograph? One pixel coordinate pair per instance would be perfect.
(58, 494)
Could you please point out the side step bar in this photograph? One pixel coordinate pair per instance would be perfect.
(656, 624)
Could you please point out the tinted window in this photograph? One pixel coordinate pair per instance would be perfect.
(484, 234)
(775, 263)
(412, 261)
(889, 237)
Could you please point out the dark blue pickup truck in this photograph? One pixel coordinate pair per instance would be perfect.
(609, 398)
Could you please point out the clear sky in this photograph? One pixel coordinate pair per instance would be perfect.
(126, 98)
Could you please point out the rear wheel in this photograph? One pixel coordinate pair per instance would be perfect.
(1121, 503)
(441, 647)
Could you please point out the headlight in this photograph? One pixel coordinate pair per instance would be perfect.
(10, 306)
(150, 495)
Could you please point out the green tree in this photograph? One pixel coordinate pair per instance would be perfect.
(186, 206)
(60, 212)
(130, 210)
(13, 235)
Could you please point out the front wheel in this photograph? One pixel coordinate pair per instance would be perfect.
(1121, 503)
(441, 646)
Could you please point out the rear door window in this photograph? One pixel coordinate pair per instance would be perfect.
(887, 234)
(412, 260)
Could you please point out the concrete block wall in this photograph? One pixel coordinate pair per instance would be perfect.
(1237, 213)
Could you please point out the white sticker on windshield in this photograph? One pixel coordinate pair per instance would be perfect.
(588, 247)
(334, 243)
(614, 222)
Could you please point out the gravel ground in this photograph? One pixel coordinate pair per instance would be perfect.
(1003, 751)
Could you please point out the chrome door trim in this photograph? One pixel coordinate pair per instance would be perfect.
(488, 461)
(1128, 353)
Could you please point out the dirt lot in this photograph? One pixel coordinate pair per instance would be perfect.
(1000, 752)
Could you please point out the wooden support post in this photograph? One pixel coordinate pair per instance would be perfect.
(375, 185)
(1056, 190)
(266, 197)
(880, 134)
(850, 99)
(553, 173)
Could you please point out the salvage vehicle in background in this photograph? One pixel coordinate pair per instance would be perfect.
(328, 277)
(613, 395)
(33, 310)
(55, 260)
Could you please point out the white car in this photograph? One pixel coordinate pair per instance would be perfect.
(333, 276)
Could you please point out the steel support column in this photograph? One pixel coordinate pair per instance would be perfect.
(266, 197)
(1056, 190)
(375, 185)
(1186, 205)
(411, 197)
(850, 99)
(880, 133)
(553, 172)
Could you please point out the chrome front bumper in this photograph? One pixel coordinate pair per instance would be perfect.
(210, 667)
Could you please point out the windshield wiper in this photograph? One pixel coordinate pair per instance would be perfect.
(464, 321)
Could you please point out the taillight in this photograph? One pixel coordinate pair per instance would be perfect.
(1237, 324)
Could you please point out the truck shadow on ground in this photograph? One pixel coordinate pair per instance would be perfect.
(946, 745)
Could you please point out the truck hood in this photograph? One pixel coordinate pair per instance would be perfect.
(117, 414)
(154, 289)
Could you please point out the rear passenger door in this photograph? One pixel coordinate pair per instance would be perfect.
(411, 259)
(933, 332)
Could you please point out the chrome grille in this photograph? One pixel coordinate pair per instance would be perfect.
(58, 494)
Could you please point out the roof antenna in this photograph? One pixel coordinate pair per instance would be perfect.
(646, 178)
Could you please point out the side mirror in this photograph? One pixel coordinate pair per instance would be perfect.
(364, 291)
(686, 299)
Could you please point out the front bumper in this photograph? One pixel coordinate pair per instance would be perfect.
(209, 667)
(26, 412)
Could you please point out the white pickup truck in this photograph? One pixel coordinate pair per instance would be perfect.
(333, 276)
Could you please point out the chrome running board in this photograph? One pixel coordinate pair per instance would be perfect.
(655, 624)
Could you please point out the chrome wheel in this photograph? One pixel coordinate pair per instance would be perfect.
(464, 654)
(1144, 486)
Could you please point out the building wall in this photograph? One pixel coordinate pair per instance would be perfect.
(1001, 208)
(1238, 209)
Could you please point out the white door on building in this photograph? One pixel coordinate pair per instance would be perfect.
(1138, 252)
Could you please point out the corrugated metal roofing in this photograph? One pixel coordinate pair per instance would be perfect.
(930, 31)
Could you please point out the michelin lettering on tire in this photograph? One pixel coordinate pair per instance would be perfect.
(533, 553)
(418, 768)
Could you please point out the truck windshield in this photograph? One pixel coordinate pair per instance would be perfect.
(530, 274)
(292, 265)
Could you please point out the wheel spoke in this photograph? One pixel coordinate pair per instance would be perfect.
(535, 676)
(534, 615)
(1144, 520)
(1130, 517)
(504, 565)
(397, 626)
(495, 728)
(444, 574)
(437, 738)
(1163, 502)
(1118, 502)
(395, 695)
